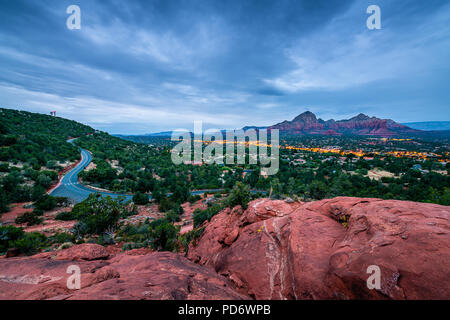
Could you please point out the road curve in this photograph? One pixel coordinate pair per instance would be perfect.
(70, 188)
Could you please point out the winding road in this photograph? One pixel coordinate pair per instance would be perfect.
(70, 188)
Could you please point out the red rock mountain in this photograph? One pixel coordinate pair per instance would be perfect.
(307, 123)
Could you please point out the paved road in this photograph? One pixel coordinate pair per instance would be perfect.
(70, 187)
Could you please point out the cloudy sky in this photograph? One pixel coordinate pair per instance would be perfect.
(148, 66)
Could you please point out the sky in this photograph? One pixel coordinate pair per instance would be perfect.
(138, 67)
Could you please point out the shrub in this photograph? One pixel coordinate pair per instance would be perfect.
(52, 164)
(201, 216)
(30, 218)
(165, 205)
(27, 243)
(163, 235)
(140, 198)
(106, 238)
(188, 237)
(172, 216)
(195, 198)
(66, 216)
(131, 246)
(135, 233)
(30, 243)
(180, 194)
(98, 214)
(99, 222)
(80, 229)
(47, 202)
(38, 212)
(9, 234)
(62, 237)
(160, 234)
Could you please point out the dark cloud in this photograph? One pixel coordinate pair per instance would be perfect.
(143, 66)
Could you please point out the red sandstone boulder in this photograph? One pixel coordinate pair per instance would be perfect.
(160, 276)
(321, 250)
(156, 275)
(226, 227)
(86, 251)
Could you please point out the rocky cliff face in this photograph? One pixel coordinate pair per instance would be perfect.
(307, 123)
(272, 250)
(321, 250)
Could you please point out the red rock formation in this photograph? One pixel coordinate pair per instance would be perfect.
(272, 250)
(127, 275)
(307, 123)
(307, 252)
(86, 251)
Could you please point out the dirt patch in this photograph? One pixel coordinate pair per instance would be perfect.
(90, 166)
(16, 209)
(115, 165)
(377, 174)
(443, 172)
(50, 226)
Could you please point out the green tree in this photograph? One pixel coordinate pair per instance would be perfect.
(44, 181)
(157, 194)
(164, 235)
(240, 195)
(181, 194)
(445, 199)
(172, 216)
(276, 189)
(290, 188)
(3, 202)
(317, 190)
(37, 192)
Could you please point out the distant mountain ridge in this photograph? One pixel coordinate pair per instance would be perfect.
(429, 125)
(156, 134)
(307, 123)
